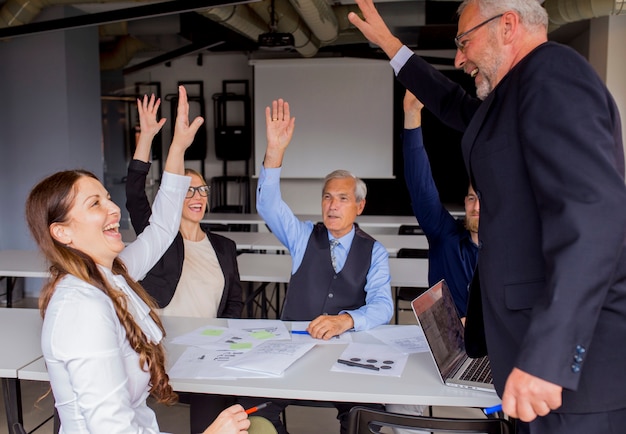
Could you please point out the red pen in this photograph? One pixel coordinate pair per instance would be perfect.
(258, 407)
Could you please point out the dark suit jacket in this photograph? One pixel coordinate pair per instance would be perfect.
(162, 279)
(544, 153)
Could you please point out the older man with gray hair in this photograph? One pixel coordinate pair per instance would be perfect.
(340, 275)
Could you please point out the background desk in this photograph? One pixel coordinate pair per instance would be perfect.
(20, 340)
(20, 263)
(365, 221)
(310, 377)
(276, 269)
(254, 267)
(263, 241)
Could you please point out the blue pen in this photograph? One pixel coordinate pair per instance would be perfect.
(299, 332)
(492, 410)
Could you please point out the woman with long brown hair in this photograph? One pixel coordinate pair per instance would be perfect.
(101, 339)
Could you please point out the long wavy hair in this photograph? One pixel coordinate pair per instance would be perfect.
(50, 202)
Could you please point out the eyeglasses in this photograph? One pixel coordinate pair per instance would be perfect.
(203, 190)
(461, 44)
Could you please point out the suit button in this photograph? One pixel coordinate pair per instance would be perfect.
(330, 295)
(575, 368)
(580, 349)
(578, 358)
(335, 276)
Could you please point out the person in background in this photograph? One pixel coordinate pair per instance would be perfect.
(101, 339)
(337, 289)
(543, 148)
(197, 276)
(452, 246)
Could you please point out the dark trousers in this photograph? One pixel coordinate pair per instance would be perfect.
(609, 422)
(273, 411)
(203, 409)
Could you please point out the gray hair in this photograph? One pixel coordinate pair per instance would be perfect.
(531, 13)
(360, 189)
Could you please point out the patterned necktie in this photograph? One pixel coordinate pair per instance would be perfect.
(333, 260)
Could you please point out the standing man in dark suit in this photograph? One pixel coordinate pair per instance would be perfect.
(544, 152)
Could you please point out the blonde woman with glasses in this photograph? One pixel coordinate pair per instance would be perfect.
(198, 275)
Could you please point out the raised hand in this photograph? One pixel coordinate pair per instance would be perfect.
(184, 132)
(279, 127)
(149, 125)
(374, 28)
(412, 111)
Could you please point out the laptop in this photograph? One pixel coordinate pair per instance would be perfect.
(440, 322)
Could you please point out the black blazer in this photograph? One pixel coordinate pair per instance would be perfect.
(162, 279)
(544, 153)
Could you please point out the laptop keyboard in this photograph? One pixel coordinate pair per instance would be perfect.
(478, 370)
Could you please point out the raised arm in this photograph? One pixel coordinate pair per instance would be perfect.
(184, 132)
(279, 127)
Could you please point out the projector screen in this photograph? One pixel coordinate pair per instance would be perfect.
(344, 115)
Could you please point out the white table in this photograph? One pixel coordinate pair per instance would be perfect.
(310, 378)
(20, 340)
(20, 263)
(276, 269)
(255, 267)
(372, 221)
(265, 241)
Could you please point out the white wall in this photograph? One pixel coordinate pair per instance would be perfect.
(304, 196)
(49, 120)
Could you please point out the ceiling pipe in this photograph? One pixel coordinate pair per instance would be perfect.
(238, 18)
(18, 12)
(319, 17)
(125, 49)
(568, 11)
(288, 21)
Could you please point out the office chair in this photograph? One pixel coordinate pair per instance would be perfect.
(410, 230)
(405, 293)
(362, 420)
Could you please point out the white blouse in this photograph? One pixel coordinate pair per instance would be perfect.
(95, 376)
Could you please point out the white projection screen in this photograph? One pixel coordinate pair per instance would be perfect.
(344, 115)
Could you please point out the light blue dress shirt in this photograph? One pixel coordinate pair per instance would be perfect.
(294, 234)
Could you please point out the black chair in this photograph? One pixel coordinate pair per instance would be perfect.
(405, 293)
(364, 420)
(410, 230)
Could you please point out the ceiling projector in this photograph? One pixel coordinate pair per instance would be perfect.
(274, 41)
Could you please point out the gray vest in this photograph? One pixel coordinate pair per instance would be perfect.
(316, 289)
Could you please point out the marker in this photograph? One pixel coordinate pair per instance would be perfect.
(358, 365)
(258, 407)
(299, 332)
(492, 410)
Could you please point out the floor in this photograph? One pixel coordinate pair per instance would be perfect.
(37, 407)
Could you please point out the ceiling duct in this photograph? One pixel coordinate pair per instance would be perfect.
(17, 12)
(319, 17)
(122, 53)
(288, 21)
(568, 11)
(238, 18)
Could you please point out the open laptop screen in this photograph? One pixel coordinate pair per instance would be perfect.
(442, 327)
